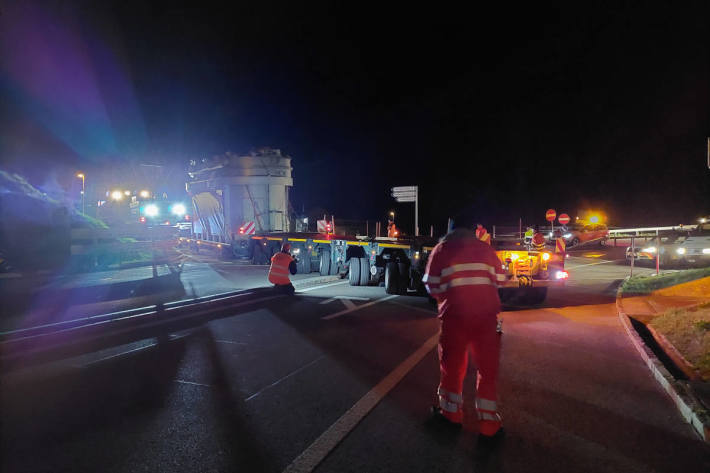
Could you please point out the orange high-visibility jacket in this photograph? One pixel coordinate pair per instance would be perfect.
(278, 272)
(463, 275)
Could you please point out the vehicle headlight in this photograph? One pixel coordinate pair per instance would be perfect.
(567, 235)
(545, 256)
(650, 249)
(706, 251)
(296, 251)
(549, 235)
(514, 256)
(680, 251)
(178, 209)
(152, 210)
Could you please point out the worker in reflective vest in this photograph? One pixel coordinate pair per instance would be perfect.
(281, 265)
(538, 240)
(463, 275)
(482, 234)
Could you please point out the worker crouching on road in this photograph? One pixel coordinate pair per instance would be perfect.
(463, 275)
(281, 265)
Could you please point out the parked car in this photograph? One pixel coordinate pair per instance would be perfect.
(578, 234)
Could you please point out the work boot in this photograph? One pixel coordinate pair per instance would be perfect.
(491, 440)
(438, 418)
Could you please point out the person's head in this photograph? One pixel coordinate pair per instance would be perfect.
(286, 248)
(478, 225)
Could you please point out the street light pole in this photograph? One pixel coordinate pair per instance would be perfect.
(83, 205)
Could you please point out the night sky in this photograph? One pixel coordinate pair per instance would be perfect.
(495, 113)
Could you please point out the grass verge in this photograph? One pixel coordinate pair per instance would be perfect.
(689, 332)
(648, 284)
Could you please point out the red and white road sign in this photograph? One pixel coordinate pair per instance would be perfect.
(550, 215)
(563, 219)
(249, 228)
(323, 226)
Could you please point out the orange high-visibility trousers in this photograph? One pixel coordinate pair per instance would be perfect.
(458, 335)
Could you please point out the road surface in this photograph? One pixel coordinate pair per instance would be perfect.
(339, 379)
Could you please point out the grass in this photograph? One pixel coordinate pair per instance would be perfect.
(689, 332)
(648, 284)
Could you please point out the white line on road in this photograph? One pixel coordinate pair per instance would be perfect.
(321, 287)
(284, 378)
(592, 264)
(311, 457)
(232, 342)
(182, 381)
(117, 355)
(347, 311)
(346, 297)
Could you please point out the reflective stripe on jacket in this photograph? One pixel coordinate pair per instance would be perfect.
(463, 274)
(278, 273)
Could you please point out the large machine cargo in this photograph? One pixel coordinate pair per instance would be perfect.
(231, 190)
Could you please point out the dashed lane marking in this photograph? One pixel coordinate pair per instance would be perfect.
(284, 378)
(311, 457)
(347, 311)
(182, 381)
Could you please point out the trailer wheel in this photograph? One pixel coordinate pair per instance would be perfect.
(535, 295)
(364, 270)
(325, 262)
(334, 269)
(354, 272)
(404, 278)
(303, 266)
(392, 278)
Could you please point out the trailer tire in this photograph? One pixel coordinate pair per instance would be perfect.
(364, 270)
(354, 272)
(325, 263)
(334, 269)
(404, 278)
(303, 266)
(575, 242)
(392, 278)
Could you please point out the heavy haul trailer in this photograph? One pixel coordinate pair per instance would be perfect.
(398, 265)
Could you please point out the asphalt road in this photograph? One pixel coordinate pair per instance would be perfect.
(339, 379)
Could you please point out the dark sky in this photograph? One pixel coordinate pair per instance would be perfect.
(494, 113)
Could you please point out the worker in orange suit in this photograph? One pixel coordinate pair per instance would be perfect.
(463, 275)
(482, 234)
(538, 240)
(282, 263)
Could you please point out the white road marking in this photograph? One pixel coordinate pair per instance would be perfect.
(182, 381)
(284, 378)
(321, 287)
(347, 302)
(422, 309)
(231, 342)
(311, 457)
(123, 353)
(347, 311)
(592, 264)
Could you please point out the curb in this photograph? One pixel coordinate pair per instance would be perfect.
(679, 391)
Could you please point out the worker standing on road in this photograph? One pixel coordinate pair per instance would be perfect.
(463, 275)
(482, 234)
(538, 240)
(281, 265)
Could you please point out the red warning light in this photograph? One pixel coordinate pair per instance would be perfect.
(241, 230)
(142, 219)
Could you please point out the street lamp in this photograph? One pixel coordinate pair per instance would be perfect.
(83, 206)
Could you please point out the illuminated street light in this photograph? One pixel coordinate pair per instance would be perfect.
(82, 177)
(145, 194)
(117, 195)
(127, 192)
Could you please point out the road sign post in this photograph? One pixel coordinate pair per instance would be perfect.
(550, 215)
(409, 194)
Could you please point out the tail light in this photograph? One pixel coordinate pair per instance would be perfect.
(141, 220)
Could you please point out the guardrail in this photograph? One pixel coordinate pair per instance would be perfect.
(641, 231)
